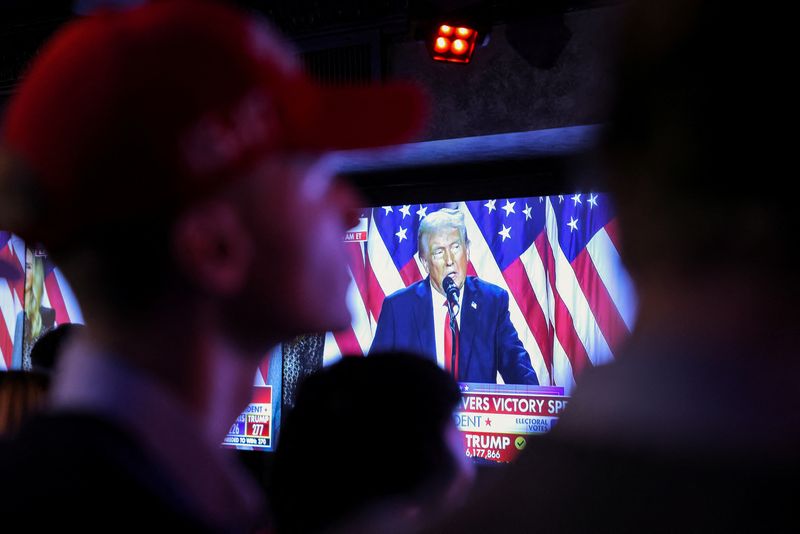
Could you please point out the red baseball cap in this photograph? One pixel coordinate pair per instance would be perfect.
(130, 111)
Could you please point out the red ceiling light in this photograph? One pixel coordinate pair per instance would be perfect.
(463, 32)
(442, 45)
(452, 30)
(454, 43)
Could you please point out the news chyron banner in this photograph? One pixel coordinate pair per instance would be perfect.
(496, 420)
(257, 427)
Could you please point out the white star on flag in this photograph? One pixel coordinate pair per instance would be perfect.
(422, 212)
(406, 211)
(592, 201)
(573, 224)
(509, 207)
(490, 204)
(576, 199)
(527, 212)
(560, 199)
(401, 234)
(505, 232)
(388, 209)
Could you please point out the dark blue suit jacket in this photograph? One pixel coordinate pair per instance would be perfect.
(489, 342)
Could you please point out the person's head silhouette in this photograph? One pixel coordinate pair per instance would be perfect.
(375, 436)
(47, 349)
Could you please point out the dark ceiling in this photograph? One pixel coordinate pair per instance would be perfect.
(303, 17)
(24, 25)
(349, 41)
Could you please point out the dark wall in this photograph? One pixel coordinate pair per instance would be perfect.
(538, 73)
(541, 72)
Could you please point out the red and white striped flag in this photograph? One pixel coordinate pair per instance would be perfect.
(572, 302)
(56, 294)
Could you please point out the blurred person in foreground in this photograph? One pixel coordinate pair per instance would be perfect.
(169, 158)
(696, 426)
(370, 446)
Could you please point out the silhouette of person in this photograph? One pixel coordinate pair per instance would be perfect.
(48, 348)
(695, 427)
(371, 445)
(170, 159)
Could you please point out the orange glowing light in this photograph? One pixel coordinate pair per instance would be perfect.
(453, 43)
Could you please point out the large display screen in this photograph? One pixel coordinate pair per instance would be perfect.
(542, 296)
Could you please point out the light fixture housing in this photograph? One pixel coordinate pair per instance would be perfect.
(453, 43)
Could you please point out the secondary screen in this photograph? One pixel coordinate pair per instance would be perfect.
(256, 428)
(35, 298)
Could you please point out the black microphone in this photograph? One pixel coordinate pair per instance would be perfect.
(451, 291)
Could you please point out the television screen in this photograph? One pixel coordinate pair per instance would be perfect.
(540, 296)
(256, 428)
(35, 298)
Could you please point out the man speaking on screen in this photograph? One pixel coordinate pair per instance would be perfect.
(461, 321)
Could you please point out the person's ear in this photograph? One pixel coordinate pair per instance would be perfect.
(467, 247)
(213, 247)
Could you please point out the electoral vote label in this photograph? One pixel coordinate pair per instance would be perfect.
(253, 428)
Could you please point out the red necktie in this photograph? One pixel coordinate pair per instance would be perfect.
(448, 344)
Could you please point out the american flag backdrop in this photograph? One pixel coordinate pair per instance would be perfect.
(57, 295)
(571, 300)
